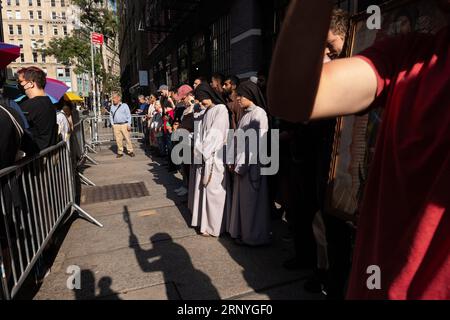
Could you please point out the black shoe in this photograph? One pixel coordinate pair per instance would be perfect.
(119, 156)
(131, 154)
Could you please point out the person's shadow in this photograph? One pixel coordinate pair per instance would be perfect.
(87, 290)
(174, 262)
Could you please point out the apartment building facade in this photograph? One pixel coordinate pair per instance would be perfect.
(31, 24)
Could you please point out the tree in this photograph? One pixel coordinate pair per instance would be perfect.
(75, 50)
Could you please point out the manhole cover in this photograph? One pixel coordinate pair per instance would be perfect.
(114, 192)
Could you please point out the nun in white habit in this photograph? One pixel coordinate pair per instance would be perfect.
(211, 178)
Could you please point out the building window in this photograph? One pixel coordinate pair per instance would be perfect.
(60, 73)
(11, 29)
(67, 72)
(53, 15)
(53, 2)
(39, 15)
(220, 40)
(198, 48)
(18, 3)
(31, 13)
(63, 15)
(8, 2)
(38, 3)
(63, 3)
(9, 14)
(19, 29)
(55, 31)
(65, 30)
(30, 3)
(18, 15)
(41, 30)
(35, 57)
(20, 41)
(43, 57)
(32, 31)
(183, 67)
(22, 57)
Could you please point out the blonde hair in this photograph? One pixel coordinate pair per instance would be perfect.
(340, 20)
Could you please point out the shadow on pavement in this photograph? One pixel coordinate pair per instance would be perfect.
(173, 261)
(87, 290)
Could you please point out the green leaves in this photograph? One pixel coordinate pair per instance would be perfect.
(75, 50)
(72, 51)
(97, 18)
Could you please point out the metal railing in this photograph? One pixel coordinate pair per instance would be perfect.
(101, 131)
(81, 147)
(36, 195)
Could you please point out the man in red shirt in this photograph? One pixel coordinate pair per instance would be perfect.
(404, 217)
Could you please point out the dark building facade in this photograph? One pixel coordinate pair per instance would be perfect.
(2, 71)
(174, 41)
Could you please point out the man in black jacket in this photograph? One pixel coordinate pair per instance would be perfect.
(38, 108)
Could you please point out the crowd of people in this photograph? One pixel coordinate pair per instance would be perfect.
(219, 192)
(239, 201)
(233, 197)
(403, 218)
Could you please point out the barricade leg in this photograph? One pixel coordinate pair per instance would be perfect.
(86, 180)
(91, 160)
(86, 215)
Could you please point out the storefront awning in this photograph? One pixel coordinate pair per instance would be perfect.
(73, 97)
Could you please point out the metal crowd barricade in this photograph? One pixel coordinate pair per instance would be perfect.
(80, 148)
(102, 132)
(36, 196)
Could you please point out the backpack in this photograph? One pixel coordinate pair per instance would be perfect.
(20, 131)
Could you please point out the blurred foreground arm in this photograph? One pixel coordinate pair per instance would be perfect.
(301, 87)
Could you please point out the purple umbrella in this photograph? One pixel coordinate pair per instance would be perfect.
(8, 53)
(55, 89)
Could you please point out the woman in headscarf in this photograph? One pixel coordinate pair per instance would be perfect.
(250, 215)
(211, 181)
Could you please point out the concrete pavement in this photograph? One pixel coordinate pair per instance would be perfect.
(147, 249)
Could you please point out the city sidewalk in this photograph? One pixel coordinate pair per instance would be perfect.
(147, 249)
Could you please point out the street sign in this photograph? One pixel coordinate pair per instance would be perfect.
(97, 38)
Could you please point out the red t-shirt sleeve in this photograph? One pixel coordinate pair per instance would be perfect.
(385, 57)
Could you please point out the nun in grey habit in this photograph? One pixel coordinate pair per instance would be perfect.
(249, 222)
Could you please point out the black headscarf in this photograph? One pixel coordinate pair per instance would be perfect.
(252, 92)
(205, 91)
